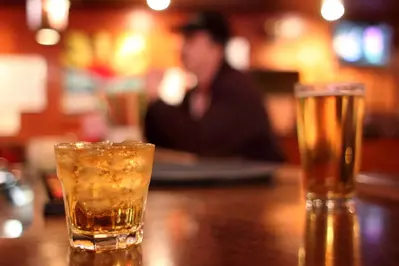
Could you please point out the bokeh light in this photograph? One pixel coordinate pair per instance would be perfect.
(374, 44)
(12, 229)
(238, 53)
(173, 86)
(348, 45)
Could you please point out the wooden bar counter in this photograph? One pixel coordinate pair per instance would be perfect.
(263, 224)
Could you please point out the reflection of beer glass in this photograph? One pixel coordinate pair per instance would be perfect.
(105, 190)
(131, 256)
(331, 238)
(330, 119)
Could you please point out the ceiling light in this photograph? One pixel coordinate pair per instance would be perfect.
(47, 37)
(47, 14)
(158, 4)
(332, 9)
(58, 13)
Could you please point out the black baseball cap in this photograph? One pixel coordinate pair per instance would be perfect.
(212, 22)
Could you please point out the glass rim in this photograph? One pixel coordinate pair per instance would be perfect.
(329, 88)
(85, 145)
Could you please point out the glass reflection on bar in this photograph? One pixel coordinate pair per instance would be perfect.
(331, 238)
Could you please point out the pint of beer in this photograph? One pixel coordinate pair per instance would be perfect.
(330, 120)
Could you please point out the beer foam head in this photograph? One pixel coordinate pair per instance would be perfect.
(329, 89)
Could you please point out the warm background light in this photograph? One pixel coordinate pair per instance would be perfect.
(290, 26)
(141, 21)
(332, 9)
(158, 4)
(130, 54)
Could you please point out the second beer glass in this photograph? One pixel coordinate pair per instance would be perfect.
(330, 121)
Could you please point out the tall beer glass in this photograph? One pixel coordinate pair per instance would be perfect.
(330, 120)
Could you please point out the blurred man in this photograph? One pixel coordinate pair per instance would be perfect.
(224, 115)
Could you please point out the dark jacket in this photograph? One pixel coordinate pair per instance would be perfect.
(235, 125)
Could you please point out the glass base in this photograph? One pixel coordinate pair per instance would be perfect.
(331, 204)
(130, 256)
(105, 242)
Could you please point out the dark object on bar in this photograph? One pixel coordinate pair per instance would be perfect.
(377, 185)
(275, 81)
(212, 172)
(377, 125)
(55, 203)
